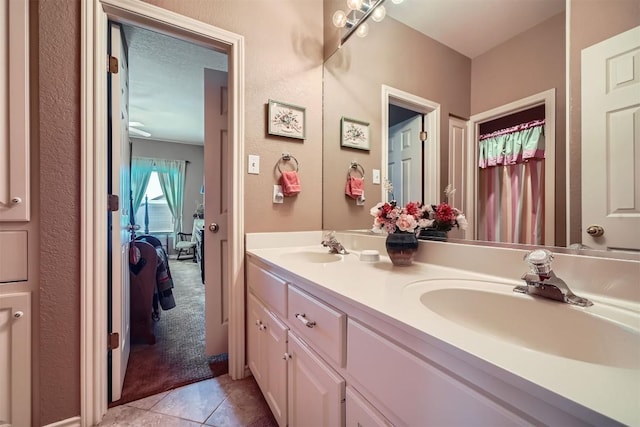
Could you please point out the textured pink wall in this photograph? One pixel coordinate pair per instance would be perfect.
(58, 137)
(398, 56)
(529, 63)
(592, 21)
(283, 61)
(284, 42)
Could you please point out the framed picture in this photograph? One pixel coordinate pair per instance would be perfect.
(354, 134)
(286, 120)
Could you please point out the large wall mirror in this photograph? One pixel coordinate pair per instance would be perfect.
(463, 85)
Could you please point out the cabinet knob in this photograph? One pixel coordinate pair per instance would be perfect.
(16, 200)
(306, 322)
(286, 356)
(18, 314)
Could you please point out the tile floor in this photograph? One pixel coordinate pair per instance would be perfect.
(219, 402)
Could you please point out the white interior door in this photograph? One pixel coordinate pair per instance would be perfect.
(611, 139)
(216, 178)
(405, 160)
(458, 168)
(120, 185)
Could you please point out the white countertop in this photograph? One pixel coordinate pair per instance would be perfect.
(390, 291)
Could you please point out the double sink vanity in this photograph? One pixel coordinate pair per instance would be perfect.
(335, 340)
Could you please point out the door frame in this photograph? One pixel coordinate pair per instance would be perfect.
(93, 283)
(391, 95)
(546, 98)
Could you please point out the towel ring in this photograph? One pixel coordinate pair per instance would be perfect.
(357, 167)
(285, 158)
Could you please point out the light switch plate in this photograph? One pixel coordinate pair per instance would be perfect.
(254, 164)
(278, 197)
(376, 176)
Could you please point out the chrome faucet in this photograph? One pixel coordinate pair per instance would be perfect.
(542, 281)
(335, 247)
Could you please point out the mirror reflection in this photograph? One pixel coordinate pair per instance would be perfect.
(455, 91)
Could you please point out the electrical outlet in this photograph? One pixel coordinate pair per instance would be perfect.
(278, 197)
(376, 176)
(254, 164)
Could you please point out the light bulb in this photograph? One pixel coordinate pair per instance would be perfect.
(396, 1)
(379, 13)
(354, 4)
(362, 30)
(339, 19)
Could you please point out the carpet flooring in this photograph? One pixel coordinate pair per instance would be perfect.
(178, 357)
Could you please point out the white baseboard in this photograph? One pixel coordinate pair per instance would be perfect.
(69, 422)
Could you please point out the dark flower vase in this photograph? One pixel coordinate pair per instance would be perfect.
(433, 234)
(401, 248)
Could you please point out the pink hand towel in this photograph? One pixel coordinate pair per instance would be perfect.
(354, 187)
(290, 183)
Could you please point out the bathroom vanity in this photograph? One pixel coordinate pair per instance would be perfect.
(335, 341)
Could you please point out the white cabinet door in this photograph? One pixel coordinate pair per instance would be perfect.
(361, 413)
(266, 348)
(275, 336)
(255, 343)
(15, 359)
(14, 110)
(316, 392)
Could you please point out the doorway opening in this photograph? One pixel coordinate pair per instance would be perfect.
(94, 17)
(540, 106)
(166, 111)
(410, 161)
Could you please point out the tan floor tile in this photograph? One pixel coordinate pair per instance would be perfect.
(244, 405)
(123, 416)
(148, 402)
(194, 402)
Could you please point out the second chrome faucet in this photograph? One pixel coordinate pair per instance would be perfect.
(542, 281)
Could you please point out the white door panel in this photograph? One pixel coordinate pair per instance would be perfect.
(611, 139)
(458, 168)
(405, 151)
(216, 166)
(121, 185)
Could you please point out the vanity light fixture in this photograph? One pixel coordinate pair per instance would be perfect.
(359, 11)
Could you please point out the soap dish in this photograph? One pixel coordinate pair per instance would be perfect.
(370, 255)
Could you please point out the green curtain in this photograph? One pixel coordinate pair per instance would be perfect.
(171, 174)
(141, 169)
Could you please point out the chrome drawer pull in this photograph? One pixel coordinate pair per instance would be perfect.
(308, 323)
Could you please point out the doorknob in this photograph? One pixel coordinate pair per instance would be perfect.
(595, 231)
(213, 227)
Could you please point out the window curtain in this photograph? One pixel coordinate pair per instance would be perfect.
(511, 185)
(512, 145)
(171, 174)
(141, 169)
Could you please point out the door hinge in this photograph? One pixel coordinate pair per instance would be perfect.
(113, 203)
(113, 341)
(113, 64)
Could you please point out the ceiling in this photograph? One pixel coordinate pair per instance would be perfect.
(166, 82)
(166, 74)
(473, 27)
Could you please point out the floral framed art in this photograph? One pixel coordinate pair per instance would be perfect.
(286, 120)
(354, 134)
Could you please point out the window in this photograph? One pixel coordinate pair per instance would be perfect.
(160, 218)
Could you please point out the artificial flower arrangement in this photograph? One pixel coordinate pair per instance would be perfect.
(415, 216)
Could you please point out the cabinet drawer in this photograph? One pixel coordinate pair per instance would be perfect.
(415, 392)
(268, 288)
(321, 326)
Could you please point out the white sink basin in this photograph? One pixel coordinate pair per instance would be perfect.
(311, 256)
(586, 334)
